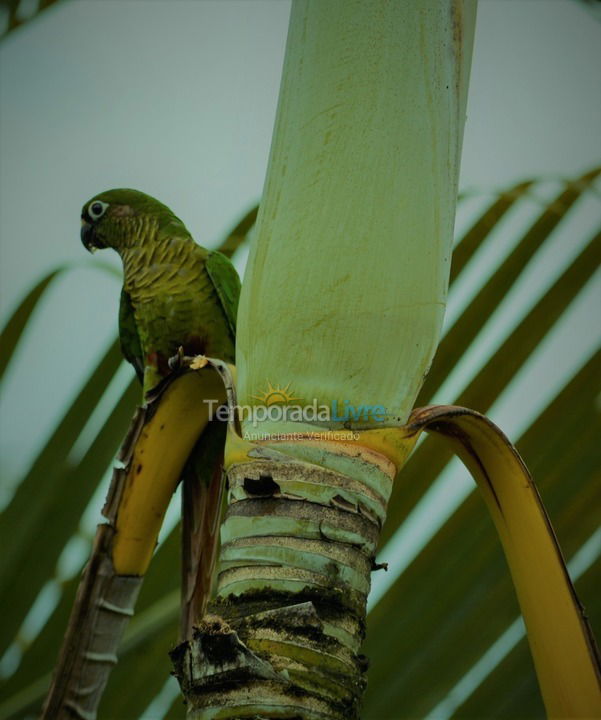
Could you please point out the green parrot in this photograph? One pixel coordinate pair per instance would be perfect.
(176, 294)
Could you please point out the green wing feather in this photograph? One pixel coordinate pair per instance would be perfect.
(128, 336)
(227, 283)
(203, 480)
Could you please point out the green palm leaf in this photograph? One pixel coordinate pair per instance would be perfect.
(12, 331)
(15, 10)
(502, 367)
(456, 589)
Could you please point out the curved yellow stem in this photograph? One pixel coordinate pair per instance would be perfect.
(562, 644)
(164, 445)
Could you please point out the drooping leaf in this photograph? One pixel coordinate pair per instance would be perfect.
(456, 598)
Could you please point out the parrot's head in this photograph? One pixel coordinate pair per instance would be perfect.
(122, 218)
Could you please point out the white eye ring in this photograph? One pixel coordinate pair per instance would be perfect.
(97, 209)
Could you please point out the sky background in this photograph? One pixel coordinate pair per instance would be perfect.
(178, 99)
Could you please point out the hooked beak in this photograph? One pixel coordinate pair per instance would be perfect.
(89, 238)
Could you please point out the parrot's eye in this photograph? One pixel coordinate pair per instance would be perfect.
(97, 209)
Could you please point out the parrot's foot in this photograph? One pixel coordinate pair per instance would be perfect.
(176, 361)
(378, 566)
(180, 360)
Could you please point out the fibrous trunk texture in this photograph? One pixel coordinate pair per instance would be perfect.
(299, 540)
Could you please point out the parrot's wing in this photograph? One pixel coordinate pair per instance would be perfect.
(227, 283)
(202, 487)
(128, 336)
(202, 492)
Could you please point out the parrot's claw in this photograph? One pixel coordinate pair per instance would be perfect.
(378, 566)
(176, 361)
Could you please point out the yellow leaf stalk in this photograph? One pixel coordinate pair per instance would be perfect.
(164, 445)
(561, 641)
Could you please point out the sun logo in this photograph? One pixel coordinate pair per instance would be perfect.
(274, 395)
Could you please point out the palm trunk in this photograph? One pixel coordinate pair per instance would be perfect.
(299, 544)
